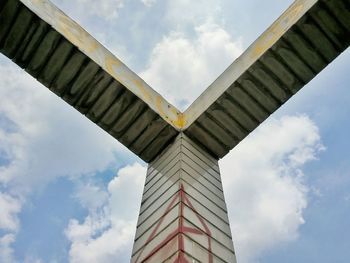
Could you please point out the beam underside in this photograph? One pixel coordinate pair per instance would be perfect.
(312, 43)
(59, 65)
(183, 215)
(309, 45)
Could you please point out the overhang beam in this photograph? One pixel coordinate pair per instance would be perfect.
(93, 49)
(50, 46)
(292, 51)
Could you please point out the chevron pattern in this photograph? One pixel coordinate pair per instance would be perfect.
(183, 215)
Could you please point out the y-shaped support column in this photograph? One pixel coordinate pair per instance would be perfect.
(183, 215)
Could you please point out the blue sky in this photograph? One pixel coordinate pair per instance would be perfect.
(65, 184)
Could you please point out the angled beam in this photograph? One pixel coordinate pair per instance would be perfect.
(65, 58)
(76, 35)
(292, 51)
(54, 49)
(183, 215)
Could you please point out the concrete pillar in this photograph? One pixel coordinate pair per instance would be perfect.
(183, 215)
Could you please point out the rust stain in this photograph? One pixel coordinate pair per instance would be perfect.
(159, 106)
(144, 93)
(180, 121)
(110, 63)
(76, 35)
(93, 46)
(95, 51)
(273, 33)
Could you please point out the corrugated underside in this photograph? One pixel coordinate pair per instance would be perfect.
(46, 55)
(309, 46)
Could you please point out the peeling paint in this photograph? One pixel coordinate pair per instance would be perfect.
(274, 32)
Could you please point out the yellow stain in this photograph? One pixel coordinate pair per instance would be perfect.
(77, 35)
(144, 93)
(110, 63)
(180, 122)
(92, 46)
(84, 42)
(274, 32)
(160, 108)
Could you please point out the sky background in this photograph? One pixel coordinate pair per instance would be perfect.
(69, 192)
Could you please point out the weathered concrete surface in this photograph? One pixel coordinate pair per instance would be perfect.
(303, 41)
(64, 57)
(183, 215)
(73, 65)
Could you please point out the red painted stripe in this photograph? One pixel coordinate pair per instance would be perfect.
(179, 231)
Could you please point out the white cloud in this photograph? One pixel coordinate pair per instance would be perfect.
(263, 183)
(182, 68)
(6, 251)
(49, 138)
(347, 198)
(189, 13)
(106, 9)
(41, 139)
(266, 196)
(126, 189)
(148, 2)
(91, 196)
(107, 233)
(9, 207)
(33, 259)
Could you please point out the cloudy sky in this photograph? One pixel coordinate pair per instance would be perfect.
(65, 184)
